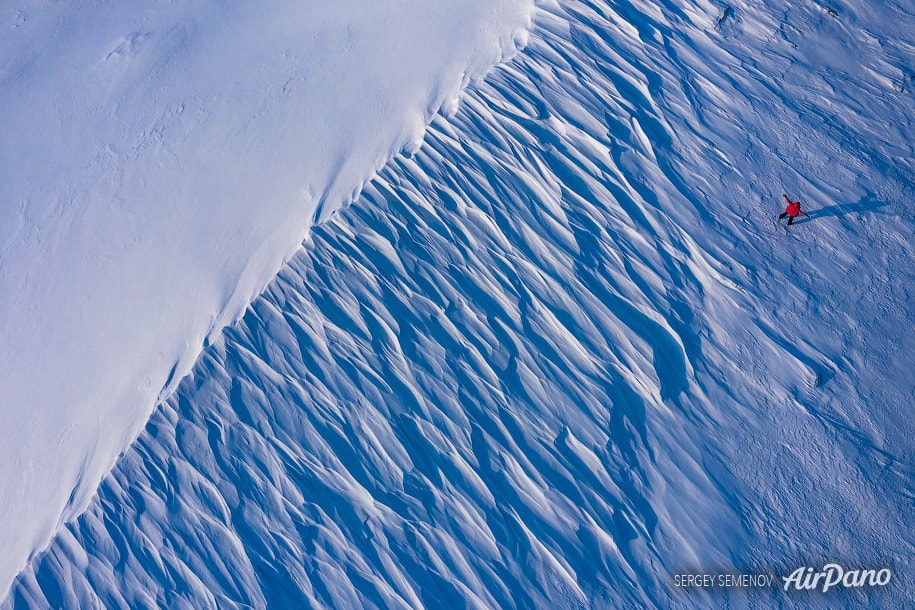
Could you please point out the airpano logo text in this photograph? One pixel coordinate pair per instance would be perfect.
(834, 576)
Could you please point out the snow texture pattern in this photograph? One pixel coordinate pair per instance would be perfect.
(564, 352)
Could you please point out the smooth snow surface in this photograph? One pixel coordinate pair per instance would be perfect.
(564, 351)
(159, 163)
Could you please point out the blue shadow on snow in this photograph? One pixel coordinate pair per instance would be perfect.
(841, 209)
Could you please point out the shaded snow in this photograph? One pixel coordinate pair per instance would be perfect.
(564, 351)
(160, 161)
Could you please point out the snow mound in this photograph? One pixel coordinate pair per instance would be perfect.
(159, 163)
(563, 351)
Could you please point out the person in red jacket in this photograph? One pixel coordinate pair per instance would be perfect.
(793, 209)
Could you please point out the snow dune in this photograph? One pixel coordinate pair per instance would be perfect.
(563, 351)
(159, 163)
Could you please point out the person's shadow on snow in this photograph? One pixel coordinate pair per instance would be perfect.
(841, 209)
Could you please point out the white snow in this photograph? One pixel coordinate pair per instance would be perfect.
(564, 351)
(158, 163)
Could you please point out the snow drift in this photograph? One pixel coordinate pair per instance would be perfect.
(159, 163)
(563, 352)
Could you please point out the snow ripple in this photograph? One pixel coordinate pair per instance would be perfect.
(544, 361)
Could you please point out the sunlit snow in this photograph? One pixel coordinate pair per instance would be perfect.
(159, 163)
(562, 352)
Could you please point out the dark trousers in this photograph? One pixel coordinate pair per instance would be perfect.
(790, 218)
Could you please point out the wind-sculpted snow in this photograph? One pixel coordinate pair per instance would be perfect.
(564, 353)
(158, 164)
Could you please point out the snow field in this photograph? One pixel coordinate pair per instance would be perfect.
(563, 351)
(160, 163)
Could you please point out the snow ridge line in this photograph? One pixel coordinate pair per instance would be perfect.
(524, 369)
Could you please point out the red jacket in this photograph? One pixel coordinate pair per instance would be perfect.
(794, 208)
